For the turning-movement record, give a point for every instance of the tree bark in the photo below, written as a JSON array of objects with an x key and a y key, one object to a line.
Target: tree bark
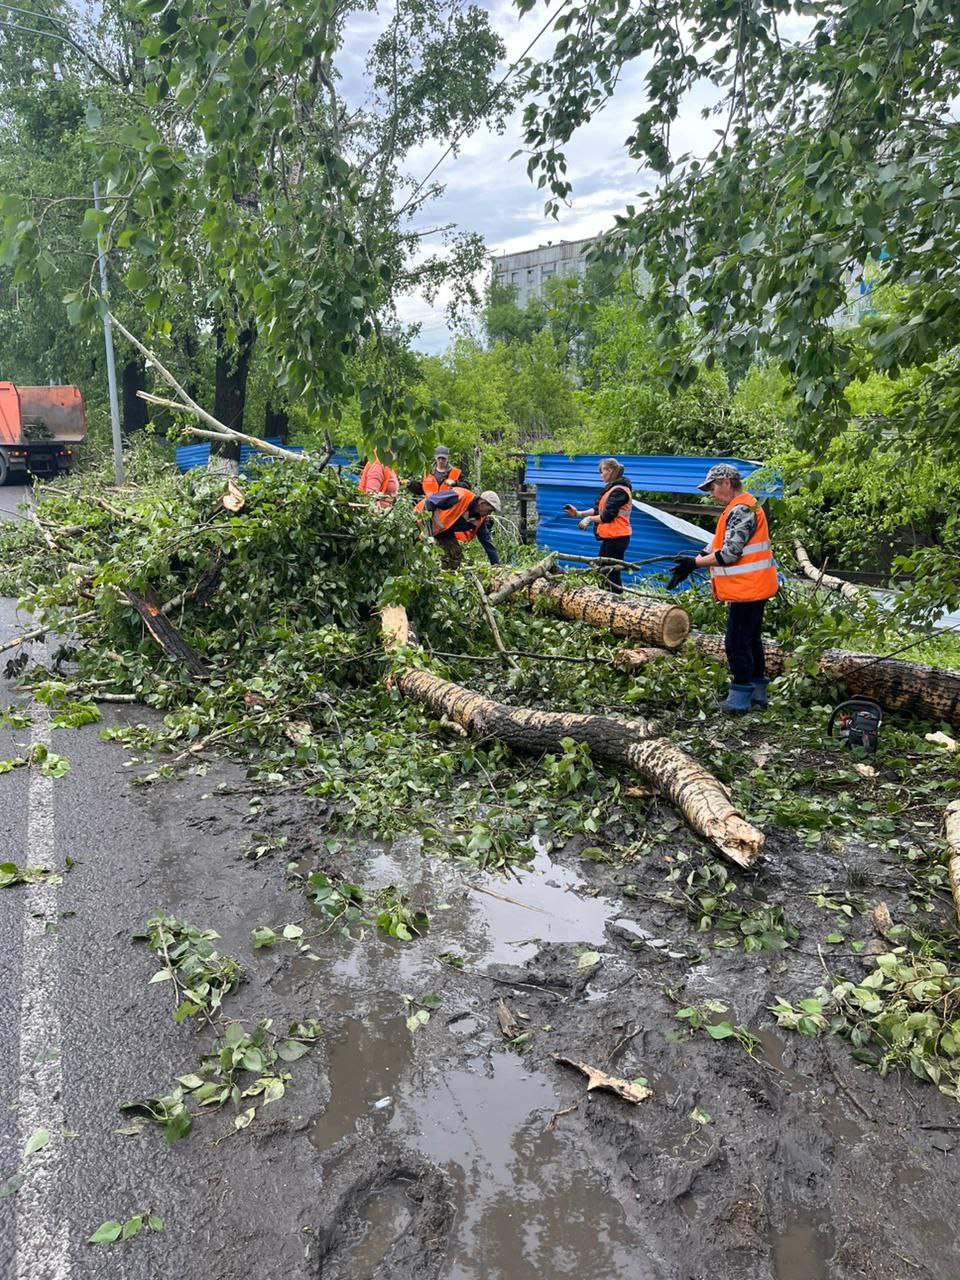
[
  {"x": 230, "y": 389},
  {"x": 656, "y": 622},
  {"x": 276, "y": 423},
  {"x": 635, "y": 745},
  {"x": 133, "y": 377},
  {"x": 507, "y": 586},
  {"x": 913, "y": 688}
]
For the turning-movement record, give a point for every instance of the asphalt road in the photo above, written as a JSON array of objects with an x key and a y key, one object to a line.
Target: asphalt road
[{"x": 81, "y": 1031}]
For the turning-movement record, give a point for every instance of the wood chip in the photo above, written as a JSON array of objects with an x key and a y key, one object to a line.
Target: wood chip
[
  {"x": 596, "y": 1079},
  {"x": 508, "y": 1023},
  {"x": 233, "y": 498},
  {"x": 881, "y": 919}
]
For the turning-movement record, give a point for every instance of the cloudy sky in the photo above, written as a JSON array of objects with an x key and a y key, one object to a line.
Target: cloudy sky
[{"x": 487, "y": 192}]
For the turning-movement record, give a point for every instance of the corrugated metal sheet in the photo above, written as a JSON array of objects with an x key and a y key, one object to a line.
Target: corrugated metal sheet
[
  {"x": 190, "y": 456},
  {"x": 560, "y": 480},
  {"x": 648, "y": 473}
]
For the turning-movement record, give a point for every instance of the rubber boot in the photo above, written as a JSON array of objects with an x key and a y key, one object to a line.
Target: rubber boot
[
  {"x": 738, "y": 700},
  {"x": 759, "y": 698}
]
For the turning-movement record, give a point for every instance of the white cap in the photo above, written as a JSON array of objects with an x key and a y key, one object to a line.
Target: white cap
[{"x": 492, "y": 498}]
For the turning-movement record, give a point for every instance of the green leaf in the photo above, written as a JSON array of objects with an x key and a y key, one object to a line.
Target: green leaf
[
  {"x": 588, "y": 959},
  {"x": 132, "y": 1226},
  {"x": 155, "y": 1223},
  {"x": 263, "y": 937},
  {"x": 36, "y": 1142},
  {"x": 106, "y": 1233},
  {"x": 12, "y": 1185},
  {"x": 292, "y": 931},
  {"x": 719, "y": 1030}
]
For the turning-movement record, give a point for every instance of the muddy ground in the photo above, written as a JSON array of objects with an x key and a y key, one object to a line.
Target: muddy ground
[{"x": 449, "y": 1153}]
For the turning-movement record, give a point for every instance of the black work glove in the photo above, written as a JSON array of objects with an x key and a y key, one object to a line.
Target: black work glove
[{"x": 683, "y": 567}]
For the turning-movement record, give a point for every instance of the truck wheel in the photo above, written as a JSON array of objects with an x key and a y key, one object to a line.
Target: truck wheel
[{"x": 4, "y": 467}]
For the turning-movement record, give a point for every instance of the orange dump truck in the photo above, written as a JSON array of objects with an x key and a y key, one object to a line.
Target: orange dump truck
[{"x": 40, "y": 427}]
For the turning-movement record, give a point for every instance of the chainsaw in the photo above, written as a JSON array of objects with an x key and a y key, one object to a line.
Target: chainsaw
[{"x": 857, "y": 724}]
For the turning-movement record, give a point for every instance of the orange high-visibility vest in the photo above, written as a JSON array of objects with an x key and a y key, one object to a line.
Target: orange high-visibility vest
[
  {"x": 432, "y": 485},
  {"x": 620, "y": 526},
  {"x": 446, "y": 517},
  {"x": 754, "y": 576},
  {"x": 387, "y": 483}
]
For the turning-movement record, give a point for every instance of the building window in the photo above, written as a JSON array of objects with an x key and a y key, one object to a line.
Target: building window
[
  {"x": 530, "y": 275},
  {"x": 514, "y": 277},
  {"x": 547, "y": 271}
]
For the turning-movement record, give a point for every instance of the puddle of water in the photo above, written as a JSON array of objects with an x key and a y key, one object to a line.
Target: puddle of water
[
  {"x": 548, "y": 905},
  {"x": 529, "y": 1207},
  {"x": 804, "y": 1248},
  {"x": 366, "y": 1064}
]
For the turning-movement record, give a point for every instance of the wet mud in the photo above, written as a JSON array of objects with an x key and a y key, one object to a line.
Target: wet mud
[{"x": 453, "y": 1152}]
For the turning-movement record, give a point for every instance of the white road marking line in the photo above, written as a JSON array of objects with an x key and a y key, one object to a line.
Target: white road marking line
[{"x": 42, "y": 1230}]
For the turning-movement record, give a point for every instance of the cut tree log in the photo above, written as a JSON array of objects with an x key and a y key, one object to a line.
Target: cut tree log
[
  {"x": 912, "y": 688},
  {"x": 654, "y": 621},
  {"x": 637, "y": 659},
  {"x": 636, "y": 745},
  {"x": 951, "y": 830},
  {"x": 519, "y": 580},
  {"x": 851, "y": 593}
]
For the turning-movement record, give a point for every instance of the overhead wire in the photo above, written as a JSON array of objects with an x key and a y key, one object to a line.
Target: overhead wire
[{"x": 511, "y": 70}]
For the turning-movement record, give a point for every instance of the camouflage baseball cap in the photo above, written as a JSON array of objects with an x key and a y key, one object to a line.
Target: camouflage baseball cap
[{"x": 722, "y": 471}]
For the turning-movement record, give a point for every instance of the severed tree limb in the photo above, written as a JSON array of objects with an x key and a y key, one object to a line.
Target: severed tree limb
[
  {"x": 508, "y": 661},
  {"x": 38, "y": 632},
  {"x": 226, "y": 433},
  {"x": 597, "y": 1079},
  {"x": 851, "y": 593},
  {"x": 635, "y": 745},
  {"x": 518, "y": 580},
  {"x": 655, "y": 621},
  {"x": 951, "y": 830}
]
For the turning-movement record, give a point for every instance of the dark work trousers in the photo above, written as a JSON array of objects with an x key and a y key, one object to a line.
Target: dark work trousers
[
  {"x": 743, "y": 642},
  {"x": 451, "y": 550},
  {"x": 613, "y": 549}
]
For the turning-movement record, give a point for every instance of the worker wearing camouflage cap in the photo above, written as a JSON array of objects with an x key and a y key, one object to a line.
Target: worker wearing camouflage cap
[{"x": 743, "y": 576}]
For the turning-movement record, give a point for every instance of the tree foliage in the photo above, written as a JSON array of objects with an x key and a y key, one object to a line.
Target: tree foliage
[{"x": 834, "y": 156}]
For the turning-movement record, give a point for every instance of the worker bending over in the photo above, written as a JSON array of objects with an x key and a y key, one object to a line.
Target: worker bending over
[
  {"x": 609, "y": 517},
  {"x": 744, "y": 577},
  {"x": 377, "y": 477},
  {"x": 440, "y": 476},
  {"x": 457, "y": 516}
]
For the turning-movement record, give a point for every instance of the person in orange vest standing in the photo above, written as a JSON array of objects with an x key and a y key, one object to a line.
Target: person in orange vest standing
[
  {"x": 457, "y": 516},
  {"x": 610, "y": 518},
  {"x": 744, "y": 577},
  {"x": 377, "y": 477},
  {"x": 440, "y": 476}
]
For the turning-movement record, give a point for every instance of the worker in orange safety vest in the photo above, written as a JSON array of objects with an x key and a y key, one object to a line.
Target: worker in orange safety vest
[
  {"x": 457, "y": 516},
  {"x": 743, "y": 576},
  {"x": 440, "y": 476},
  {"x": 610, "y": 519},
  {"x": 377, "y": 477}
]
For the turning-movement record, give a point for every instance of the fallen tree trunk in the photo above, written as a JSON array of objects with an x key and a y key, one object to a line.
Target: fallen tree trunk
[
  {"x": 655, "y": 621},
  {"x": 951, "y": 830},
  {"x": 909, "y": 687},
  {"x": 635, "y": 745},
  {"x": 851, "y": 593}
]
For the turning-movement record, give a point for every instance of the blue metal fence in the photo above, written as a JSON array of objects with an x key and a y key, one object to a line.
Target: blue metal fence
[
  {"x": 190, "y": 456},
  {"x": 560, "y": 480}
]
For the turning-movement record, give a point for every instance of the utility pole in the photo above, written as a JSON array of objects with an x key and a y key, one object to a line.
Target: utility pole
[{"x": 108, "y": 343}]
